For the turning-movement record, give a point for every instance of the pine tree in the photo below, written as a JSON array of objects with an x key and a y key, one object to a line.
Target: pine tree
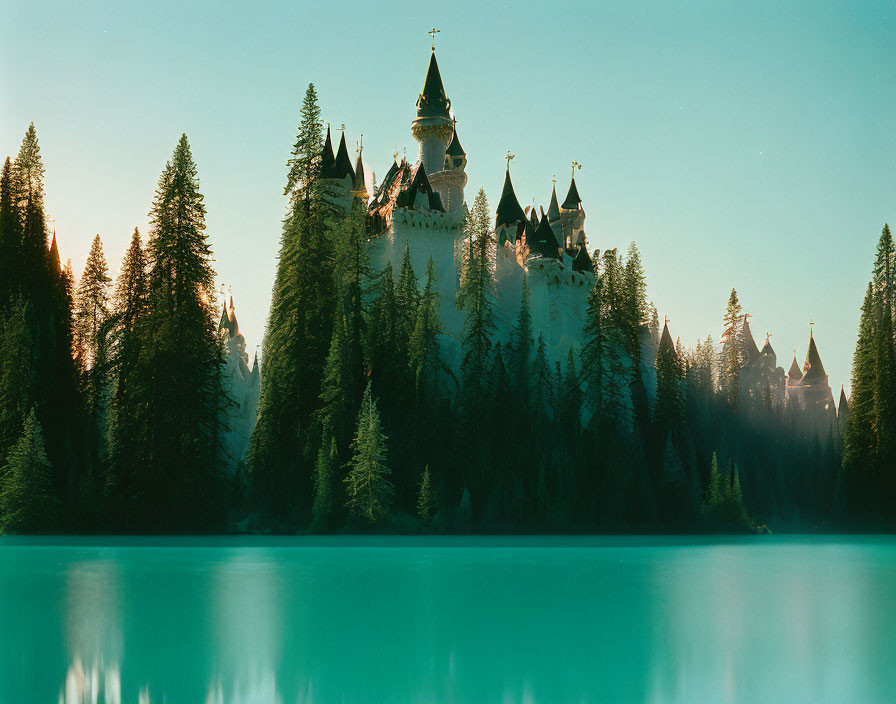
[
  {"x": 636, "y": 308},
  {"x": 304, "y": 162},
  {"x": 477, "y": 295},
  {"x": 28, "y": 189},
  {"x": 18, "y": 372},
  {"x": 297, "y": 338},
  {"x": 10, "y": 238},
  {"x": 28, "y": 501},
  {"x": 368, "y": 486},
  {"x": 338, "y": 411},
  {"x": 382, "y": 335},
  {"x": 521, "y": 343},
  {"x": 426, "y": 499},
  {"x": 325, "y": 471},
  {"x": 43, "y": 287},
  {"x": 669, "y": 411},
  {"x": 407, "y": 298},
  {"x": 731, "y": 359},
  {"x": 423, "y": 351},
  {"x": 127, "y": 411},
  {"x": 178, "y": 376},
  {"x": 92, "y": 307}
]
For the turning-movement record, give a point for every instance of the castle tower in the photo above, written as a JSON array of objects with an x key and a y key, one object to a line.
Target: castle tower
[
  {"x": 811, "y": 389},
  {"x": 450, "y": 182},
  {"x": 554, "y": 216},
  {"x": 572, "y": 216},
  {"x": 842, "y": 411},
  {"x": 795, "y": 374},
  {"x": 769, "y": 358},
  {"x": 327, "y": 158},
  {"x": 359, "y": 185},
  {"x": 433, "y": 126},
  {"x": 509, "y": 218},
  {"x": 751, "y": 350},
  {"x": 338, "y": 172},
  {"x": 242, "y": 386}
]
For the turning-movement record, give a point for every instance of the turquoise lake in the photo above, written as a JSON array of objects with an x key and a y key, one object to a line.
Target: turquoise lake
[{"x": 447, "y": 619}]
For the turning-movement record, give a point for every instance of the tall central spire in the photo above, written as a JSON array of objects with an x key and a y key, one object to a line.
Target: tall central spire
[
  {"x": 433, "y": 101},
  {"x": 433, "y": 126}
]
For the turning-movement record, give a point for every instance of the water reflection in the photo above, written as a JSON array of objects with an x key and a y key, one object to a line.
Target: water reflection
[{"x": 768, "y": 621}]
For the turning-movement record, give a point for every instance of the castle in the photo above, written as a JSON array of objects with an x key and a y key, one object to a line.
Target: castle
[
  {"x": 242, "y": 386},
  {"x": 422, "y": 206}
]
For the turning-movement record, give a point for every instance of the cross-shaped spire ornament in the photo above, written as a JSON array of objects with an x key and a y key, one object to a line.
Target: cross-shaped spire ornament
[
  {"x": 509, "y": 158},
  {"x": 343, "y": 128},
  {"x": 575, "y": 165},
  {"x": 434, "y": 32}
]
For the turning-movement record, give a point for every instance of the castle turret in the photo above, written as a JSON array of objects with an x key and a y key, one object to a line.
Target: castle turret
[
  {"x": 419, "y": 194},
  {"x": 433, "y": 126},
  {"x": 327, "y": 159},
  {"x": 842, "y": 412},
  {"x": 509, "y": 218},
  {"x": 342, "y": 167},
  {"x": 449, "y": 183},
  {"x": 582, "y": 261},
  {"x": 359, "y": 187},
  {"x": 813, "y": 370},
  {"x": 767, "y": 354},
  {"x": 751, "y": 350},
  {"x": 554, "y": 212},
  {"x": 572, "y": 216},
  {"x": 544, "y": 243},
  {"x": 242, "y": 386},
  {"x": 795, "y": 374}
]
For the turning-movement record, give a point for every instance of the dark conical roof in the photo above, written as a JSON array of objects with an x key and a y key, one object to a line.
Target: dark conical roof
[
  {"x": 553, "y": 208},
  {"x": 533, "y": 218},
  {"x": 768, "y": 352},
  {"x": 433, "y": 102},
  {"x": 509, "y": 210},
  {"x": 326, "y": 157},
  {"x": 572, "y": 198},
  {"x": 419, "y": 184},
  {"x": 544, "y": 241},
  {"x": 54, "y": 253},
  {"x": 582, "y": 261},
  {"x": 813, "y": 369},
  {"x": 359, "y": 185},
  {"x": 666, "y": 343},
  {"x": 751, "y": 351},
  {"x": 343, "y": 164},
  {"x": 454, "y": 149},
  {"x": 795, "y": 373},
  {"x": 843, "y": 406}
]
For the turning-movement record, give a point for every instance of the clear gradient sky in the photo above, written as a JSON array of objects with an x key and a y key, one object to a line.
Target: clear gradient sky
[{"x": 748, "y": 145}]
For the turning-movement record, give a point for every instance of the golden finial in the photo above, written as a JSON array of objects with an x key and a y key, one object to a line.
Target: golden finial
[
  {"x": 509, "y": 158},
  {"x": 575, "y": 165},
  {"x": 395, "y": 154},
  {"x": 343, "y": 128},
  {"x": 554, "y": 180},
  {"x": 434, "y": 32}
]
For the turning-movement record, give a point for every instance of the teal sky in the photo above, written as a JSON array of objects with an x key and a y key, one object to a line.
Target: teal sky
[{"x": 747, "y": 145}]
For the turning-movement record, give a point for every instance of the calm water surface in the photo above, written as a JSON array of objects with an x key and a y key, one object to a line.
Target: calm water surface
[{"x": 221, "y": 621}]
